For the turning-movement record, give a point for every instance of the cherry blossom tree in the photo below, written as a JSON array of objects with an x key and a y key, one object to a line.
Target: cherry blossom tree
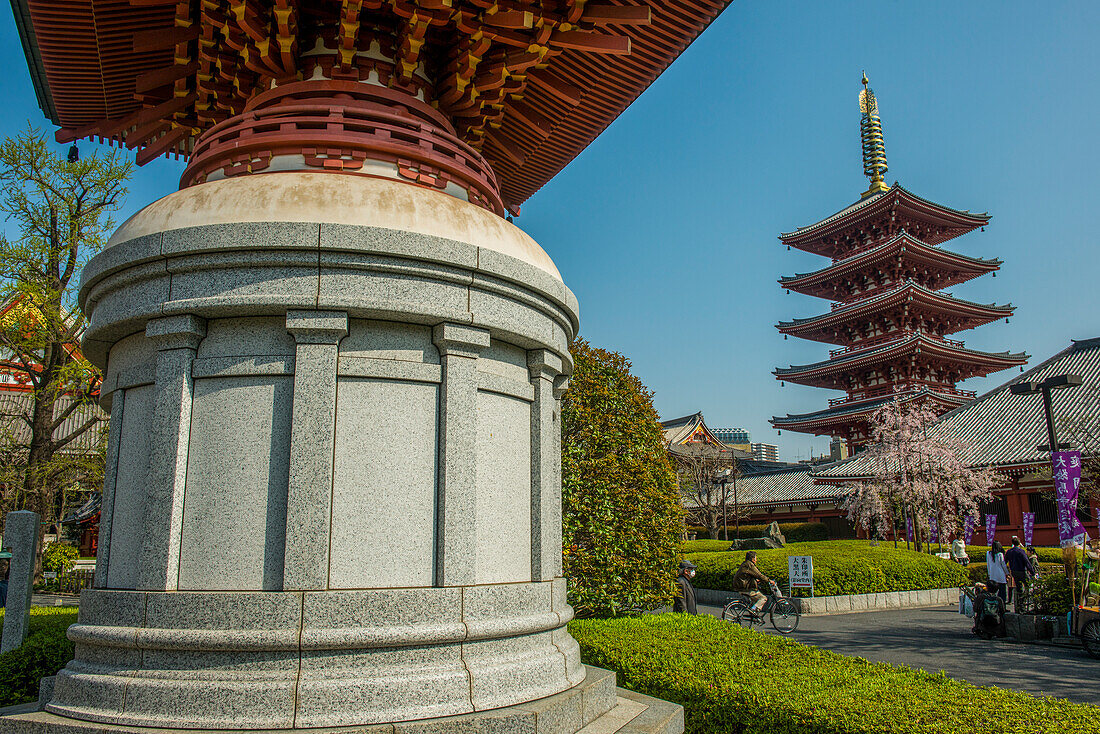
[{"x": 918, "y": 473}]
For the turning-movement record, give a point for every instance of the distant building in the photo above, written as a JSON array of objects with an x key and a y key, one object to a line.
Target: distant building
[
  {"x": 838, "y": 449},
  {"x": 733, "y": 436},
  {"x": 765, "y": 451}
]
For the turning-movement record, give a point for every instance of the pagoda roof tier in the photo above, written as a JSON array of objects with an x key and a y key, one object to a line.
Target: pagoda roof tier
[
  {"x": 529, "y": 85},
  {"x": 909, "y": 306},
  {"x": 830, "y": 420},
  {"x": 920, "y": 351},
  {"x": 879, "y": 216},
  {"x": 902, "y": 256}
]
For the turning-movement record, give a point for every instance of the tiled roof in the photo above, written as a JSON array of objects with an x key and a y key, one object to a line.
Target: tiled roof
[
  {"x": 908, "y": 289},
  {"x": 1001, "y": 429},
  {"x": 924, "y": 341},
  {"x": 14, "y": 405},
  {"x": 886, "y": 247},
  {"x": 866, "y": 203},
  {"x": 781, "y": 487},
  {"x": 867, "y": 406}
]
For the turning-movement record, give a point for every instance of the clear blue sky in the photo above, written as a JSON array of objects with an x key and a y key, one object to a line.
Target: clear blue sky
[{"x": 666, "y": 226}]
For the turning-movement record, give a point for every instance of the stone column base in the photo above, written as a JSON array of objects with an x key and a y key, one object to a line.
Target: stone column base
[{"x": 595, "y": 706}]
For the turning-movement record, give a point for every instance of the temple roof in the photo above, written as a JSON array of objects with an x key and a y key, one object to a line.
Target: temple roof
[
  {"x": 89, "y": 62},
  {"x": 961, "y": 313},
  {"x": 982, "y": 363},
  {"x": 1002, "y": 430},
  {"x": 904, "y": 246},
  {"x": 781, "y": 487},
  {"x": 950, "y": 222},
  {"x": 693, "y": 429},
  {"x": 845, "y": 413}
]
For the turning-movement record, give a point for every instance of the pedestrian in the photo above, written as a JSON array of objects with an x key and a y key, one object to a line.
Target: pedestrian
[
  {"x": 1033, "y": 559},
  {"x": 685, "y": 595},
  {"x": 4, "y": 583},
  {"x": 747, "y": 581},
  {"x": 997, "y": 570},
  {"x": 958, "y": 552},
  {"x": 1020, "y": 567}
]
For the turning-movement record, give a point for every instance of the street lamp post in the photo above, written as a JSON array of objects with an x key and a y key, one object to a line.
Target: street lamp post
[{"x": 1045, "y": 388}]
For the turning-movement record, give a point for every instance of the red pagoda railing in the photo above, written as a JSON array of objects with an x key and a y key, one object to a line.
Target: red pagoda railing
[
  {"x": 872, "y": 394},
  {"x": 892, "y": 336}
]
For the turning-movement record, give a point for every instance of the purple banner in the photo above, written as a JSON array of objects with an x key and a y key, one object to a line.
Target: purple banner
[
  {"x": 990, "y": 529},
  {"x": 933, "y": 530},
  {"x": 1029, "y": 527},
  {"x": 968, "y": 528},
  {"x": 1097, "y": 520},
  {"x": 1067, "y": 481},
  {"x": 909, "y": 528}
]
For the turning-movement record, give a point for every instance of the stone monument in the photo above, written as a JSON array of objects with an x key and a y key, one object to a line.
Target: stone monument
[
  {"x": 21, "y": 538},
  {"x": 333, "y": 364}
]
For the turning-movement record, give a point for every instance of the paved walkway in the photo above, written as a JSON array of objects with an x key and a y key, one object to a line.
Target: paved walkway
[{"x": 939, "y": 639}]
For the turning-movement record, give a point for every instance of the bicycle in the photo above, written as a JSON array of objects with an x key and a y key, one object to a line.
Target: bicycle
[{"x": 778, "y": 609}]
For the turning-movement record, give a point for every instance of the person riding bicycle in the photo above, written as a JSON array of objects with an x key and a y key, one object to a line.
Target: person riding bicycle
[{"x": 747, "y": 580}]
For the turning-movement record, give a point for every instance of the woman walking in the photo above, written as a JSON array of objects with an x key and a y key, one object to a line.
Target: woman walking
[{"x": 997, "y": 569}]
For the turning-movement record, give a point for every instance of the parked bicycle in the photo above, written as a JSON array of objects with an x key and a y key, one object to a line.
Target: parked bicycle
[{"x": 778, "y": 609}]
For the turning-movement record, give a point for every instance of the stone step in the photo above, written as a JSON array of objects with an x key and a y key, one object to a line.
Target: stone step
[{"x": 595, "y": 706}]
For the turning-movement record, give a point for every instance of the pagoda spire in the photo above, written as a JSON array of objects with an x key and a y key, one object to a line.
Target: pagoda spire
[{"x": 874, "y": 149}]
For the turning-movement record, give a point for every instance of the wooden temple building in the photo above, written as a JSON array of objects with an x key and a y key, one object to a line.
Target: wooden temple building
[
  {"x": 485, "y": 101},
  {"x": 890, "y": 318}
]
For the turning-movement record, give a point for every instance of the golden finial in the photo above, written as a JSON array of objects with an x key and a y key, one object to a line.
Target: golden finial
[{"x": 874, "y": 148}]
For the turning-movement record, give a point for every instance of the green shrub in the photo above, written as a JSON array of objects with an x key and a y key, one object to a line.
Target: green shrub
[
  {"x": 45, "y": 651},
  {"x": 735, "y": 681},
  {"x": 1052, "y": 595},
  {"x": 795, "y": 532},
  {"x": 621, "y": 511},
  {"x": 840, "y": 567},
  {"x": 59, "y": 557}
]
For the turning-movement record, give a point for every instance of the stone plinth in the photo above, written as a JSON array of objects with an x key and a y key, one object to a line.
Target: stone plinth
[
  {"x": 332, "y": 494},
  {"x": 21, "y": 538},
  {"x": 595, "y": 706}
]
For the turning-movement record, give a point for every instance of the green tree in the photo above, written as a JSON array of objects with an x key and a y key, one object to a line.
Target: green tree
[
  {"x": 622, "y": 518},
  {"x": 59, "y": 216}
]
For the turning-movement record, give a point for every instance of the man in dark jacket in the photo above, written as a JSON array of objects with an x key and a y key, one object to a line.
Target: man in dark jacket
[
  {"x": 685, "y": 594},
  {"x": 1020, "y": 567},
  {"x": 747, "y": 581}
]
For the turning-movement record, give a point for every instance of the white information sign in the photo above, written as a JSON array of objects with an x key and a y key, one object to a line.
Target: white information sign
[{"x": 800, "y": 571}]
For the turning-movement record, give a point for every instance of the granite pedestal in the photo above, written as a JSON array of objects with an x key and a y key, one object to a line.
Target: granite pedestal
[{"x": 332, "y": 491}]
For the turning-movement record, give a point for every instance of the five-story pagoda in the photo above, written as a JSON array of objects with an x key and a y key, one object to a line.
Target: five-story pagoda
[{"x": 890, "y": 317}]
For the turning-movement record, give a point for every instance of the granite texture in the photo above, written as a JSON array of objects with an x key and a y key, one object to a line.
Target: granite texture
[
  {"x": 389, "y": 340},
  {"x": 312, "y": 437},
  {"x": 175, "y": 338},
  {"x": 126, "y": 510},
  {"x": 543, "y": 366},
  {"x": 456, "y": 516},
  {"x": 603, "y": 708},
  {"x": 503, "y": 488},
  {"x": 21, "y": 538},
  {"x": 384, "y": 477},
  {"x": 234, "y": 521},
  {"x": 110, "y": 476}
]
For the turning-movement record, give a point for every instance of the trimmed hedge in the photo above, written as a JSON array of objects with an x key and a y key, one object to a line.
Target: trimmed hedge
[
  {"x": 735, "y": 681},
  {"x": 840, "y": 567},
  {"x": 794, "y": 532},
  {"x": 45, "y": 651}
]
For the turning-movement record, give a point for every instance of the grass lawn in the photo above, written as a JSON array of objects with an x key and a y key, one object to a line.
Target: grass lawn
[{"x": 734, "y": 681}]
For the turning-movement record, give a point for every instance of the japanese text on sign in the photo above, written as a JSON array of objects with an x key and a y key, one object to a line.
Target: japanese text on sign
[{"x": 800, "y": 571}]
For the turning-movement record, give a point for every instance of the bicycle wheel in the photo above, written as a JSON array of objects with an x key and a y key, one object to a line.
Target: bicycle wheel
[
  {"x": 740, "y": 613},
  {"x": 729, "y": 612},
  {"x": 1090, "y": 638},
  {"x": 785, "y": 616}
]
